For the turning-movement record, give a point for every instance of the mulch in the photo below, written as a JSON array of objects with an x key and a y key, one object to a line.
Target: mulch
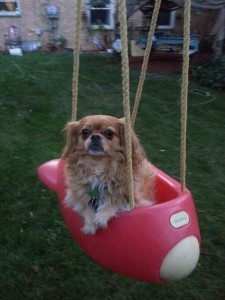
[{"x": 169, "y": 62}]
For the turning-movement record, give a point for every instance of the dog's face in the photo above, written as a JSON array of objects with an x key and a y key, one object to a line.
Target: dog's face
[
  {"x": 95, "y": 136},
  {"x": 99, "y": 136}
]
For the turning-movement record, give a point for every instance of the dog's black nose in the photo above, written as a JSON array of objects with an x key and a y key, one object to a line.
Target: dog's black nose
[
  {"x": 95, "y": 137},
  {"x": 95, "y": 146}
]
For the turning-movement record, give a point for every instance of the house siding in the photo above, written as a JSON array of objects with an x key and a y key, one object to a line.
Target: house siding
[
  {"x": 201, "y": 25},
  {"x": 33, "y": 16}
]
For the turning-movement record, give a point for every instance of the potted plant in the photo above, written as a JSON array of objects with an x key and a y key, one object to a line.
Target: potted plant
[{"x": 59, "y": 40}]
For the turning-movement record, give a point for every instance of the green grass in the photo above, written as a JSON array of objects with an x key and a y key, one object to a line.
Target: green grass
[{"x": 38, "y": 257}]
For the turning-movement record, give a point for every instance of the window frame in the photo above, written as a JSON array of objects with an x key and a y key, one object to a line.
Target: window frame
[
  {"x": 15, "y": 13},
  {"x": 107, "y": 7},
  {"x": 171, "y": 21}
]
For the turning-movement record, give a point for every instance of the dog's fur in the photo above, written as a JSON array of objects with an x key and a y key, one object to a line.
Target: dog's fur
[{"x": 95, "y": 158}]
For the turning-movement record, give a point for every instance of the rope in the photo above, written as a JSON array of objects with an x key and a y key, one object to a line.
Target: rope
[
  {"x": 126, "y": 95},
  {"x": 145, "y": 60},
  {"x": 76, "y": 58},
  {"x": 125, "y": 82},
  {"x": 184, "y": 92}
]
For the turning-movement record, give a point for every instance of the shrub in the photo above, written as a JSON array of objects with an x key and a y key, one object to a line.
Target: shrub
[{"x": 211, "y": 73}]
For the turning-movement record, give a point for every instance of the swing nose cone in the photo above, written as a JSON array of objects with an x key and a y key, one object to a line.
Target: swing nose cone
[
  {"x": 47, "y": 173},
  {"x": 181, "y": 259}
]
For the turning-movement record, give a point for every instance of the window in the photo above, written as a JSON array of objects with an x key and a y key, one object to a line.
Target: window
[
  {"x": 100, "y": 14},
  {"x": 9, "y": 8},
  {"x": 166, "y": 19}
]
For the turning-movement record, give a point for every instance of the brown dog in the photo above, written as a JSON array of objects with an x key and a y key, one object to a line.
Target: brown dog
[{"x": 96, "y": 170}]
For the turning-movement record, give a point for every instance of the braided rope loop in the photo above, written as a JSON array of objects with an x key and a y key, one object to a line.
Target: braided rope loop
[
  {"x": 76, "y": 58},
  {"x": 184, "y": 92},
  {"x": 126, "y": 95},
  {"x": 145, "y": 60}
]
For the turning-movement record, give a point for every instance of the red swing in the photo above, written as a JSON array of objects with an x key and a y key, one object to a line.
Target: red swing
[
  {"x": 152, "y": 244},
  {"x": 157, "y": 243}
]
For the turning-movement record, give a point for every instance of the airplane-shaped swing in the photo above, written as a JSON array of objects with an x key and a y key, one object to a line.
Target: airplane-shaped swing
[{"x": 156, "y": 243}]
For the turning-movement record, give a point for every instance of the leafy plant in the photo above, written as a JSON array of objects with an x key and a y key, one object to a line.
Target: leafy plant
[
  {"x": 211, "y": 73},
  {"x": 59, "y": 40}
]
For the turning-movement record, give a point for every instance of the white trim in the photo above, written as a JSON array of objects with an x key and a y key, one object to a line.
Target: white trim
[
  {"x": 171, "y": 22},
  {"x": 111, "y": 11},
  {"x": 15, "y": 13}
]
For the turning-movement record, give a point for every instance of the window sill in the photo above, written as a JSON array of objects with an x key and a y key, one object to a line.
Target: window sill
[{"x": 5, "y": 14}]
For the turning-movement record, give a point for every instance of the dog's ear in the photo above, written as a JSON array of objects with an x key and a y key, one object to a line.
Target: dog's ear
[
  {"x": 138, "y": 153},
  {"x": 71, "y": 135}
]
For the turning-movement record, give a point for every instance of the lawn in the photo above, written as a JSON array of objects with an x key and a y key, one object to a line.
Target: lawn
[{"x": 39, "y": 259}]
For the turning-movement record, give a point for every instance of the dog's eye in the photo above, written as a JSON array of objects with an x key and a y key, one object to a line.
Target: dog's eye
[
  {"x": 85, "y": 132},
  {"x": 109, "y": 134}
]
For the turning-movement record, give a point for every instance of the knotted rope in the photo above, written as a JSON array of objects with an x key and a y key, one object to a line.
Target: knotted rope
[
  {"x": 76, "y": 59},
  {"x": 184, "y": 92},
  {"x": 145, "y": 60},
  {"x": 125, "y": 81},
  {"x": 126, "y": 95},
  {"x": 185, "y": 81}
]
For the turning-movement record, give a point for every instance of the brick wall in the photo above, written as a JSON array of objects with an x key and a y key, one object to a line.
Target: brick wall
[
  {"x": 33, "y": 16},
  {"x": 27, "y": 22}
]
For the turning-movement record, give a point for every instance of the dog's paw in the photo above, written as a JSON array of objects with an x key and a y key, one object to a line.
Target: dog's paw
[{"x": 88, "y": 229}]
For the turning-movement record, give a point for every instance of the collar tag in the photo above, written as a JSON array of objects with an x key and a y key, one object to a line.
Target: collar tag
[{"x": 94, "y": 201}]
